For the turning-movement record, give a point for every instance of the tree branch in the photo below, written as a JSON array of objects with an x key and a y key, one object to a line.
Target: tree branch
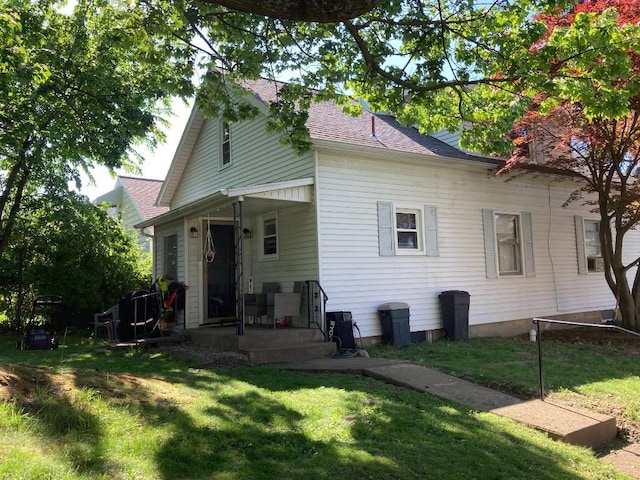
[
  {"x": 374, "y": 65},
  {"x": 319, "y": 11}
]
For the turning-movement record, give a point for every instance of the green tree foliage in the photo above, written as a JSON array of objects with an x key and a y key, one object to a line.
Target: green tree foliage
[
  {"x": 582, "y": 119},
  {"x": 500, "y": 69},
  {"x": 302, "y": 10},
  {"x": 418, "y": 59},
  {"x": 78, "y": 89},
  {"x": 72, "y": 248}
]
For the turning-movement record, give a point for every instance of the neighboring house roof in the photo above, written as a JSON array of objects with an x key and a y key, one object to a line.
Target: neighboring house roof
[
  {"x": 142, "y": 193},
  {"x": 328, "y": 125}
]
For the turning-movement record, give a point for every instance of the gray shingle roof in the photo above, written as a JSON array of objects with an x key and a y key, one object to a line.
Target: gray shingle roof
[
  {"x": 328, "y": 122},
  {"x": 143, "y": 193}
]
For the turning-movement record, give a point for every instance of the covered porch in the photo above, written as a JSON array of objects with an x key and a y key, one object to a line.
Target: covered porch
[{"x": 220, "y": 246}]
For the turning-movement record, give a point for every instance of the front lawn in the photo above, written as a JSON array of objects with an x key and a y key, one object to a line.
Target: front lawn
[
  {"x": 83, "y": 412},
  {"x": 593, "y": 369}
]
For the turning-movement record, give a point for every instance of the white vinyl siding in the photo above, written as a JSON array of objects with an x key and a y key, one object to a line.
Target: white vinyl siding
[
  {"x": 297, "y": 259},
  {"x": 354, "y": 193},
  {"x": 257, "y": 159}
]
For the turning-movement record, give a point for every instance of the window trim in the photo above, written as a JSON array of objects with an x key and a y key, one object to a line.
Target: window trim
[
  {"x": 581, "y": 247},
  {"x": 419, "y": 230},
  {"x": 427, "y": 223},
  {"x": 262, "y": 219},
  {"x": 224, "y": 125},
  {"x": 527, "y": 259},
  {"x": 519, "y": 243}
]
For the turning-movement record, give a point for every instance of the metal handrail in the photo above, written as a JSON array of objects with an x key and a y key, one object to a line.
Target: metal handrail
[
  {"x": 537, "y": 322},
  {"x": 323, "y": 307}
]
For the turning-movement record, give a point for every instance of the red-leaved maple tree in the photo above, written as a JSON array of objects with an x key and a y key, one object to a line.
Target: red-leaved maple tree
[{"x": 583, "y": 121}]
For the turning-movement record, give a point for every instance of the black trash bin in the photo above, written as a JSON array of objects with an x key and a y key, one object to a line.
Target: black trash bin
[
  {"x": 394, "y": 317},
  {"x": 455, "y": 314}
]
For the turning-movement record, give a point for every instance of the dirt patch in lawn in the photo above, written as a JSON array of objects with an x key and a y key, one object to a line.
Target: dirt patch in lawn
[{"x": 598, "y": 336}]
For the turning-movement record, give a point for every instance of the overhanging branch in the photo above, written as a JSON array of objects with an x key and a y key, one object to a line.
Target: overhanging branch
[{"x": 320, "y": 11}]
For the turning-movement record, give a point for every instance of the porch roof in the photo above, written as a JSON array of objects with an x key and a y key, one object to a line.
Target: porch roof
[{"x": 257, "y": 199}]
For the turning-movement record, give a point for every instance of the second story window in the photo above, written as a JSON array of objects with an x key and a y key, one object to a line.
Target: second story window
[{"x": 225, "y": 144}]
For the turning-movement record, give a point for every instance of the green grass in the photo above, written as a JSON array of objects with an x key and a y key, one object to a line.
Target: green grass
[
  {"x": 87, "y": 413},
  {"x": 606, "y": 377}
]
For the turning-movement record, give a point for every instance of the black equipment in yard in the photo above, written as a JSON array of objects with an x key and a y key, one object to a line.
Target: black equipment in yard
[
  {"x": 150, "y": 313},
  {"x": 39, "y": 333},
  {"x": 340, "y": 330}
]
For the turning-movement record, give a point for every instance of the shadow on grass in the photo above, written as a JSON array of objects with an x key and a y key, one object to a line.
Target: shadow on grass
[{"x": 251, "y": 423}]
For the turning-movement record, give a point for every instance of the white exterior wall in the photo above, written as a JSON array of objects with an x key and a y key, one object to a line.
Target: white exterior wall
[
  {"x": 297, "y": 259},
  {"x": 255, "y": 159},
  {"x": 357, "y": 279}
]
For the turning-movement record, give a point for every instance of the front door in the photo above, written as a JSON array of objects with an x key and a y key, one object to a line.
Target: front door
[{"x": 219, "y": 274}]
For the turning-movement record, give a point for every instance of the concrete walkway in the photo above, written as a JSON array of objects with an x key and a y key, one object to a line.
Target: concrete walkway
[{"x": 575, "y": 426}]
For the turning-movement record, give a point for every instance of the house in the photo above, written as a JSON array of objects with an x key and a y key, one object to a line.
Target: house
[
  {"x": 373, "y": 213},
  {"x": 133, "y": 200}
]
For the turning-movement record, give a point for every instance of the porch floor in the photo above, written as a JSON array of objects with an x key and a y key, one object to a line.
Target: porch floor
[{"x": 263, "y": 345}]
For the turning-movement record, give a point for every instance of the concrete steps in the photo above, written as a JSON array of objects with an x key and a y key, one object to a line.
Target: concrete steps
[
  {"x": 264, "y": 345},
  {"x": 571, "y": 425}
]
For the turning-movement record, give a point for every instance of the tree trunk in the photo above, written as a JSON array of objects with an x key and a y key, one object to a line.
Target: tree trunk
[
  {"x": 628, "y": 312},
  {"x": 320, "y": 11}
]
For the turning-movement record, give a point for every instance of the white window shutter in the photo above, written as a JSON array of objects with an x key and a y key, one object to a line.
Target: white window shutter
[
  {"x": 489, "y": 243},
  {"x": 582, "y": 256},
  {"x": 527, "y": 237},
  {"x": 386, "y": 229},
  {"x": 431, "y": 231}
]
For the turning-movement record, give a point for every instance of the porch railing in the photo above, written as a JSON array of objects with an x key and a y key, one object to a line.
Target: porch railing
[
  {"x": 316, "y": 306},
  {"x": 538, "y": 321}
]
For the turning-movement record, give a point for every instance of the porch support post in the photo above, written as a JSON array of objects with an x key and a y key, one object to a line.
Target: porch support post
[{"x": 239, "y": 280}]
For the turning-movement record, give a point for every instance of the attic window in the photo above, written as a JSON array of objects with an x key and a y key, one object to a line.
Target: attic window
[{"x": 225, "y": 144}]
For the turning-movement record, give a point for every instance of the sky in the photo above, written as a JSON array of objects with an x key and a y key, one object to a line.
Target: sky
[{"x": 155, "y": 165}]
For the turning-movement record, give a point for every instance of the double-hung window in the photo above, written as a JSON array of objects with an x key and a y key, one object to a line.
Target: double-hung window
[
  {"x": 269, "y": 236},
  {"x": 407, "y": 231},
  {"x": 508, "y": 244},
  {"x": 508, "y": 241},
  {"x": 588, "y": 245}
]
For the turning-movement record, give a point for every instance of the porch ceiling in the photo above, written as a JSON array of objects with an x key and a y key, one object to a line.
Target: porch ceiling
[{"x": 256, "y": 200}]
